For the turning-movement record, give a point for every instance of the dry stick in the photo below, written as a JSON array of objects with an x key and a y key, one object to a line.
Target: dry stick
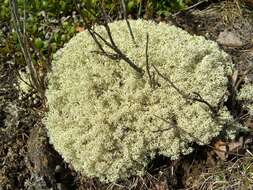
[
  {"x": 170, "y": 82},
  {"x": 118, "y": 53},
  {"x": 96, "y": 41},
  {"x": 114, "y": 46},
  {"x": 187, "y": 96},
  {"x": 123, "y": 3},
  {"x": 100, "y": 47},
  {"x": 24, "y": 47},
  {"x": 201, "y": 99}
]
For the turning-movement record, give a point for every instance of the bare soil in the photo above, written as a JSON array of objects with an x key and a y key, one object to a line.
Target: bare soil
[{"x": 28, "y": 161}]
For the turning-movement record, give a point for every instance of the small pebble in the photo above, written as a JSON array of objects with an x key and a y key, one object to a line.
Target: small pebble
[
  {"x": 230, "y": 39},
  {"x": 57, "y": 169}
]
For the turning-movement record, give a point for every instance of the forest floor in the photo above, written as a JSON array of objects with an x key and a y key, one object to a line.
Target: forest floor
[{"x": 28, "y": 161}]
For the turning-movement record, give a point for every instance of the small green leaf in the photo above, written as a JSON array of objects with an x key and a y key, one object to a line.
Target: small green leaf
[{"x": 38, "y": 43}]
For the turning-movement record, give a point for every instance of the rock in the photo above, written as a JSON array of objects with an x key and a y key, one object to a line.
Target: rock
[{"x": 230, "y": 39}]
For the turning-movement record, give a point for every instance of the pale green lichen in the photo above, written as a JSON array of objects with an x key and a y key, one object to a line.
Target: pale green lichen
[
  {"x": 245, "y": 95},
  {"x": 103, "y": 118}
]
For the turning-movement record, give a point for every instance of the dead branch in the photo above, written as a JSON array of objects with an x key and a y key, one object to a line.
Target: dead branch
[
  {"x": 118, "y": 54},
  {"x": 115, "y": 48},
  {"x": 25, "y": 48}
]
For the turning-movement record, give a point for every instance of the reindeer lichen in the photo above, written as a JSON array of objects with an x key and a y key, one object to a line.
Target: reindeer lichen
[
  {"x": 107, "y": 122},
  {"x": 246, "y": 97}
]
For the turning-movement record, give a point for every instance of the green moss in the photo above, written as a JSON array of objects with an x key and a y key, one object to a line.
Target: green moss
[{"x": 103, "y": 118}]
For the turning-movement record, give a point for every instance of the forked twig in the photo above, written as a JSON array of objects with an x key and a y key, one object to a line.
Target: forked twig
[
  {"x": 115, "y": 48},
  {"x": 111, "y": 43}
]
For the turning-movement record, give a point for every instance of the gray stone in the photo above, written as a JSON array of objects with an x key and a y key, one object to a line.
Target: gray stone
[{"x": 230, "y": 39}]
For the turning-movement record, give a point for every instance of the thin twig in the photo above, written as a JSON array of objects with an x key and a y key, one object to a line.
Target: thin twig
[
  {"x": 123, "y": 3},
  {"x": 113, "y": 46},
  {"x": 96, "y": 40},
  {"x": 171, "y": 125},
  {"x": 111, "y": 43},
  {"x": 18, "y": 74},
  {"x": 201, "y": 99},
  {"x": 170, "y": 82},
  {"x": 147, "y": 63}
]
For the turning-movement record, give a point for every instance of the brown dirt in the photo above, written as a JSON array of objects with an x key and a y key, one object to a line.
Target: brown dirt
[{"x": 28, "y": 161}]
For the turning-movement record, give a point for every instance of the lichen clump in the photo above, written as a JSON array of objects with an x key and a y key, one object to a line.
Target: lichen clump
[
  {"x": 245, "y": 95},
  {"x": 105, "y": 119}
]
